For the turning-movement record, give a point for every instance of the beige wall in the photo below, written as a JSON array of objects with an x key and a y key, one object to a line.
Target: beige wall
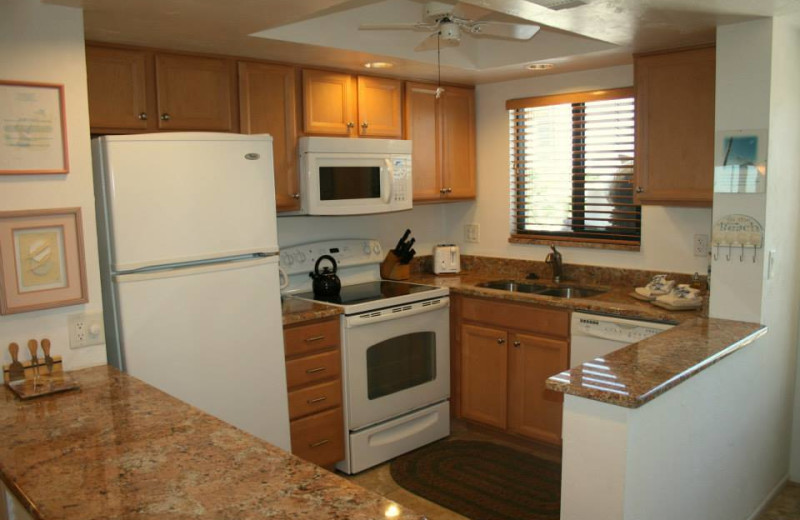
[{"x": 45, "y": 43}]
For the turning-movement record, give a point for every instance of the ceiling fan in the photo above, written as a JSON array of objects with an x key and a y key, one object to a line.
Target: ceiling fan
[{"x": 447, "y": 22}]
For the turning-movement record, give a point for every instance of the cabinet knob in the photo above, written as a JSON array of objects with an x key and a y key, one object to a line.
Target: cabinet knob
[
  {"x": 143, "y": 116},
  {"x": 350, "y": 124},
  {"x": 443, "y": 191},
  {"x": 517, "y": 344},
  {"x": 295, "y": 195},
  {"x": 364, "y": 125},
  {"x": 449, "y": 190},
  {"x": 165, "y": 117},
  {"x": 500, "y": 341},
  {"x": 639, "y": 189}
]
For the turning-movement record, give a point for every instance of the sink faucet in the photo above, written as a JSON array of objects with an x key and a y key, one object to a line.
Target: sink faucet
[{"x": 554, "y": 260}]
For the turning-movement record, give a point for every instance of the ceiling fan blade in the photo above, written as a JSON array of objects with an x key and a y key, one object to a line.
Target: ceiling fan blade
[
  {"x": 469, "y": 12},
  {"x": 392, "y": 26},
  {"x": 513, "y": 31},
  {"x": 430, "y": 43}
]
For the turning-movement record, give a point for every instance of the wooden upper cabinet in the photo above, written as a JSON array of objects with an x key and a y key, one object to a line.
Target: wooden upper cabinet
[
  {"x": 380, "y": 107},
  {"x": 675, "y": 127},
  {"x": 458, "y": 142},
  {"x": 118, "y": 83},
  {"x": 328, "y": 103},
  {"x": 443, "y": 132},
  {"x": 268, "y": 105},
  {"x": 196, "y": 93}
]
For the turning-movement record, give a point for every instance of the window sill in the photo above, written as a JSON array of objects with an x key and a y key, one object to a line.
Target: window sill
[{"x": 575, "y": 242}]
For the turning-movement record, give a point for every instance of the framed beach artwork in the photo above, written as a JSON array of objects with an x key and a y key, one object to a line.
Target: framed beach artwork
[
  {"x": 33, "y": 128},
  {"x": 41, "y": 260}
]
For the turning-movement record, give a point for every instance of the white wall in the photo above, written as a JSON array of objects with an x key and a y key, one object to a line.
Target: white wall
[
  {"x": 667, "y": 233},
  {"x": 45, "y": 43}
]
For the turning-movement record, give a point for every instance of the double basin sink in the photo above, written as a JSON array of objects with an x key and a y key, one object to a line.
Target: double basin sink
[{"x": 570, "y": 291}]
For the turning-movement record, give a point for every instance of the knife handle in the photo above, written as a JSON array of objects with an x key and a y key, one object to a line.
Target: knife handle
[
  {"x": 46, "y": 347},
  {"x": 13, "y": 349},
  {"x": 33, "y": 345}
]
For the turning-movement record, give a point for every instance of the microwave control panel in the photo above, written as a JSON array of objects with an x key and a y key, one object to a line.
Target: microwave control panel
[{"x": 401, "y": 175}]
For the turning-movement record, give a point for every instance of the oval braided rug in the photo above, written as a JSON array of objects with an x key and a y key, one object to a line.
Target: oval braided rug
[{"x": 482, "y": 480}]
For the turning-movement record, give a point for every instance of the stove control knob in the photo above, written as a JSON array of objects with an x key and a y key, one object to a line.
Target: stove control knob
[
  {"x": 366, "y": 248},
  {"x": 376, "y": 248},
  {"x": 289, "y": 260},
  {"x": 301, "y": 257}
]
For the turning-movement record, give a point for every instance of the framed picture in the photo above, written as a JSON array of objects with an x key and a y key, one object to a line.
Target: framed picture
[
  {"x": 41, "y": 260},
  {"x": 33, "y": 128},
  {"x": 740, "y": 161}
]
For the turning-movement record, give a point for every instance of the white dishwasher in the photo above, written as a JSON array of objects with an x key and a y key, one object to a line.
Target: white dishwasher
[{"x": 595, "y": 335}]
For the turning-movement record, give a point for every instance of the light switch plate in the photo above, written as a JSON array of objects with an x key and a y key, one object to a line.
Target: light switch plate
[
  {"x": 472, "y": 233},
  {"x": 86, "y": 330}
]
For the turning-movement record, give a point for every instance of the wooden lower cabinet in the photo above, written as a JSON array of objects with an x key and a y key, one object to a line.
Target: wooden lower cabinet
[
  {"x": 505, "y": 352},
  {"x": 314, "y": 380}
]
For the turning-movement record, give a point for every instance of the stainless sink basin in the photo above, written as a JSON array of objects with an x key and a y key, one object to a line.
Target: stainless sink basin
[
  {"x": 571, "y": 292},
  {"x": 512, "y": 286},
  {"x": 533, "y": 288}
]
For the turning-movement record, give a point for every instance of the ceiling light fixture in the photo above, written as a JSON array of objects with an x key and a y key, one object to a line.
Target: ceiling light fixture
[
  {"x": 379, "y": 65},
  {"x": 540, "y": 66}
]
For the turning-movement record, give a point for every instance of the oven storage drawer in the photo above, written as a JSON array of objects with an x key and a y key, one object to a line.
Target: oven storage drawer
[
  {"x": 384, "y": 441},
  {"x": 311, "y": 337},
  {"x": 315, "y": 398},
  {"x": 312, "y": 368},
  {"x": 319, "y": 438}
]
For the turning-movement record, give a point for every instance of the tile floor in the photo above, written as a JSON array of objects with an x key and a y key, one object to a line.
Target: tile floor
[{"x": 785, "y": 506}]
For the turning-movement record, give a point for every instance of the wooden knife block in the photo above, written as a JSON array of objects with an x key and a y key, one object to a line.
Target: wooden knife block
[{"x": 392, "y": 269}]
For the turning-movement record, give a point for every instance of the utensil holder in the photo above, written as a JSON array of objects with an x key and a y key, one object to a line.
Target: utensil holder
[{"x": 392, "y": 269}]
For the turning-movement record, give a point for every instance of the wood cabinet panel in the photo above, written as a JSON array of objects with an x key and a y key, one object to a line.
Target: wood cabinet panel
[
  {"x": 422, "y": 127},
  {"x": 118, "y": 83},
  {"x": 484, "y": 374},
  {"x": 328, "y": 103},
  {"x": 268, "y": 105},
  {"x": 316, "y": 398},
  {"x": 313, "y": 368},
  {"x": 311, "y": 337},
  {"x": 458, "y": 142},
  {"x": 551, "y": 322},
  {"x": 196, "y": 93},
  {"x": 319, "y": 438},
  {"x": 533, "y": 410},
  {"x": 380, "y": 107},
  {"x": 675, "y": 127}
]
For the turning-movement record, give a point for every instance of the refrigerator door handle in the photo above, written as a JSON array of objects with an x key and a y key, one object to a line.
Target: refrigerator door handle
[{"x": 192, "y": 269}]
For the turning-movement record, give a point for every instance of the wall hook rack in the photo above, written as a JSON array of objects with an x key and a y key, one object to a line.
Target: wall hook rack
[{"x": 741, "y": 231}]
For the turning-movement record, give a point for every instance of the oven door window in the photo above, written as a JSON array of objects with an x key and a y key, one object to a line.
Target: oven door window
[
  {"x": 349, "y": 182},
  {"x": 400, "y": 363}
]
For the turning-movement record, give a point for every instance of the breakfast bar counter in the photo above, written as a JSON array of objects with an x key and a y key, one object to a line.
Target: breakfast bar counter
[{"x": 121, "y": 449}]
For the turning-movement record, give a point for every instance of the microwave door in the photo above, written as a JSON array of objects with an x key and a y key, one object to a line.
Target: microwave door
[{"x": 349, "y": 186}]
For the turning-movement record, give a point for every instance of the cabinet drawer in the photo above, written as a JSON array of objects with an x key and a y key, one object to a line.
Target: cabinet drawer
[
  {"x": 520, "y": 317},
  {"x": 313, "y": 399},
  {"x": 313, "y": 368},
  {"x": 319, "y": 438},
  {"x": 308, "y": 338}
]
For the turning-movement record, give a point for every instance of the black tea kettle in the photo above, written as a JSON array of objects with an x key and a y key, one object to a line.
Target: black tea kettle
[{"x": 325, "y": 283}]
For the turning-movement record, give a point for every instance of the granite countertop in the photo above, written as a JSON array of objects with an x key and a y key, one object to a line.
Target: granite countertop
[
  {"x": 121, "y": 449},
  {"x": 640, "y": 372},
  {"x": 296, "y": 310}
]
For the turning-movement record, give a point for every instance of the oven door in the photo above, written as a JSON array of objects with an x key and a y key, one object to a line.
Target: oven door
[{"x": 396, "y": 360}]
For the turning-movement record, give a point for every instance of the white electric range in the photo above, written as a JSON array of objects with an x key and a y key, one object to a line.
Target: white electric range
[{"x": 395, "y": 351}]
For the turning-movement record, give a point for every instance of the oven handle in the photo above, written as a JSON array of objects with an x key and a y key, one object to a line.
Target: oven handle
[{"x": 396, "y": 313}]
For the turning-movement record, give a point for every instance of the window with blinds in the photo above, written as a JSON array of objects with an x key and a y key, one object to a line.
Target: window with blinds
[{"x": 572, "y": 160}]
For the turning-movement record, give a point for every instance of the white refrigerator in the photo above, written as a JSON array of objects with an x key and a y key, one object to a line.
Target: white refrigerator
[{"x": 189, "y": 268}]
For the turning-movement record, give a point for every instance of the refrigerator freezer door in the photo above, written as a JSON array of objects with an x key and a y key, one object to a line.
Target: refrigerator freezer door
[
  {"x": 171, "y": 198},
  {"x": 211, "y": 336}
]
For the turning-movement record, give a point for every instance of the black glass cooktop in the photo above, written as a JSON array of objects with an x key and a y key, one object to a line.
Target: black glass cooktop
[{"x": 368, "y": 292}]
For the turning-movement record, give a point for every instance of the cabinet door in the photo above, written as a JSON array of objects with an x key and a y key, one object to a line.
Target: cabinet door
[
  {"x": 380, "y": 107},
  {"x": 484, "y": 374},
  {"x": 328, "y": 104},
  {"x": 422, "y": 127},
  {"x": 118, "y": 83},
  {"x": 196, "y": 93},
  {"x": 533, "y": 410},
  {"x": 675, "y": 127},
  {"x": 457, "y": 106},
  {"x": 267, "y": 105}
]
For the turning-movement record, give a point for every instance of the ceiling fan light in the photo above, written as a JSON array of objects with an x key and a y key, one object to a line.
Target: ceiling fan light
[
  {"x": 379, "y": 65},
  {"x": 540, "y": 66},
  {"x": 449, "y": 31}
]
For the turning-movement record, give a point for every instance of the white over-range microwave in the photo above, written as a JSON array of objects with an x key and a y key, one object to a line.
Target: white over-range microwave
[{"x": 346, "y": 176}]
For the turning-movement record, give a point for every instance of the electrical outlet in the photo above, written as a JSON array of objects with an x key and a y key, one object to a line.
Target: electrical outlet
[
  {"x": 701, "y": 245},
  {"x": 472, "y": 233},
  {"x": 86, "y": 330}
]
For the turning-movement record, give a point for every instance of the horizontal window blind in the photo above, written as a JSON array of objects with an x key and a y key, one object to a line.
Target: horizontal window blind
[{"x": 572, "y": 169}]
